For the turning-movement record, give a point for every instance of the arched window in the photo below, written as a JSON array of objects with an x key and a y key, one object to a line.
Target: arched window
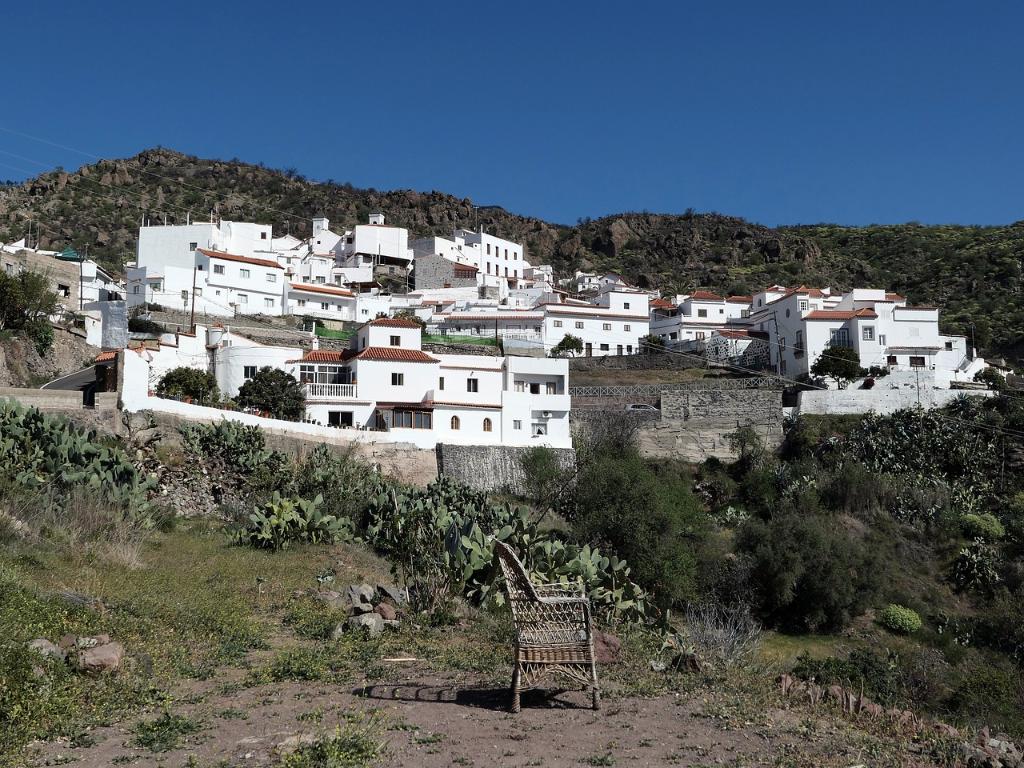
[
  {"x": 487, "y": 425},
  {"x": 455, "y": 422}
]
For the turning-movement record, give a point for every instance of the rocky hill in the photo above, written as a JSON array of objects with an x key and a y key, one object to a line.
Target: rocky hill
[{"x": 973, "y": 272}]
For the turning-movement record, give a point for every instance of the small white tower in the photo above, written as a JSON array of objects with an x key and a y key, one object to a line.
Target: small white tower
[{"x": 377, "y": 218}]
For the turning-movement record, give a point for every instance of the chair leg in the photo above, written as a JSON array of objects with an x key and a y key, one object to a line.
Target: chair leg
[
  {"x": 517, "y": 676},
  {"x": 597, "y": 690}
]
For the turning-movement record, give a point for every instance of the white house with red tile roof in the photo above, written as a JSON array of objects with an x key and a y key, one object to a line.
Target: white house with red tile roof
[
  {"x": 804, "y": 323},
  {"x": 385, "y": 382},
  {"x": 321, "y": 300},
  {"x": 696, "y": 316}
]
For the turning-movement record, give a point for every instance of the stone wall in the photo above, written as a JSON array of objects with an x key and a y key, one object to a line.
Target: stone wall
[
  {"x": 880, "y": 399},
  {"x": 439, "y": 272},
  {"x": 696, "y": 425},
  {"x": 645, "y": 362},
  {"x": 490, "y": 467}
]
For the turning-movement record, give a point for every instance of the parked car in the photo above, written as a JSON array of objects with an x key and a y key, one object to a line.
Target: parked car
[{"x": 642, "y": 408}]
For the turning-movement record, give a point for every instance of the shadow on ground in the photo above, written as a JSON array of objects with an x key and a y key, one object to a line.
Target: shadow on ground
[{"x": 497, "y": 699}]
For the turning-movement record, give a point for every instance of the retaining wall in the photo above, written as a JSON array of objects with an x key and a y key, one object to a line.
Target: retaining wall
[
  {"x": 880, "y": 399},
  {"x": 490, "y": 467}
]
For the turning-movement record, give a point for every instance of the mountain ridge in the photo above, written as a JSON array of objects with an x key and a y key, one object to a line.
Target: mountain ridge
[{"x": 973, "y": 272}]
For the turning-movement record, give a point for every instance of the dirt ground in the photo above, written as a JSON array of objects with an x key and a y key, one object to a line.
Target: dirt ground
[{"x": 426, "y": 719}]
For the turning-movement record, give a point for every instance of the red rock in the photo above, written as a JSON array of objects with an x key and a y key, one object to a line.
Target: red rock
[
  {"x": 386, "y": 612},
  {"x": 607, "y": 648},
  {"x": 101, "y": 658}
]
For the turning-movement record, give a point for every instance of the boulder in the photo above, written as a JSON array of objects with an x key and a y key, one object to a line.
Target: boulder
[
  {"x": 101, "y": 658},
  {"x": 607, "y": 648},
  {"x": 391, "y": 623},
  {"x": 398, "y": 596},
  {"x": 331, "y": 598},
  {"x": 357, "y": 594},
  {"x": 371, "y": 622},
  {"x": 387, "y": 612},
  {"x": 67, "y": 642},
  {"x": 361, "y": 608},
  {"x": 45, "y": 648}
]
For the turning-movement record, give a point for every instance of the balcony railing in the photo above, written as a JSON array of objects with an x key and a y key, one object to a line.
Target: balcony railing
[{"x": 328, "y": 391}]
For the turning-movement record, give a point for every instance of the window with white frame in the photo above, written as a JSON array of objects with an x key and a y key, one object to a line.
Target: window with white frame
[
  {"x": 702, "y": 313},
  {"x": 249, "y": 371},
  {"x": 520, "y": 385},
  {"x": 557, "y": 324},
  {"x": 397, "y": 379},
  {"x": 302, "y": 302},
  {"x": 579, "y": 323},
  {"x": 193, "y": 246},
  {"x": 517, "y": 424},
  {"x": 606, "y": 326},
  {"x": 396, "y": 341},
  {"x": 472, "y": 385},
  {"x": 243, "y": 273},
  {"x": 440, "y": 383},
  {"x": 243, "y": 298},
  {"x": 803, "y": 305},
  {"x": 867, "y": 333},
  {"x": 268, "y": 302},
  {"x": 218, "y": 269},
  {"x": 271, "y": 277},
  {"x": 625, "y": 327}
]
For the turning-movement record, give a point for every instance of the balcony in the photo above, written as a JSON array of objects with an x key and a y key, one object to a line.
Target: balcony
[{"x": 329, "y": 391}]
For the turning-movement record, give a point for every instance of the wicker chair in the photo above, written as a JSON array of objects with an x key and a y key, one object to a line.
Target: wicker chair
[{"x": 553, "y": 629}]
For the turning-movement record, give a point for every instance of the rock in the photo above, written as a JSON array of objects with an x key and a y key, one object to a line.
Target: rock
[
  {"x": 101, "y": 658},
  {"x": 361, "y": 608},
  {"x": 658, "y": 666},
  {"x": 293, "y": 743},
  {"x": 392, "y": 623},
  {"x": 386, "y": 612},
  {"x": 398, "y": 596},
  {"x": 607, "y": 648},
  {"x": 371, "y": 622},
  {"x": 45, "y": 648},
  {"x": 357, "y": 594},
  {"x": 67, "y": 642},
  {"x": 331, "y": 598}
]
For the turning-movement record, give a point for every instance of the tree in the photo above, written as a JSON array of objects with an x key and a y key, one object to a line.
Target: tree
[
  {"x": 191, "y": 383},
  {"x": 841, "y": 364},
  {"x": 408, "y": 314},
  {"x": 275, "y": 392},
  {"x": 26, "y": 304},
  {"x": 652, "y": 343},
  {"x": 992, "y": 378},
  {"x": 569, "y": 343}
]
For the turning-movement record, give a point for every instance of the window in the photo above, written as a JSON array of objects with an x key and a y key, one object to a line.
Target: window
[
  {"x": 243, "y": 298},
  {"x": 440, "y": 383},
  {"x": 199, "y": 267},
  {"x": 520, "y": 386},
  {"x": 184, "y": 295},
  {"x": 606, "y": 326},
  {"x": 625, "y": 327},
  {"x": 268, "y": 302},
  {"x": 557, "y": 323},
  {"x": 488, "y": 249},
  {"x": 135, "y": 289},
  {"x": 487, "y": 425},
  {"x": 199, "y": 291},
  {"x": 455, "y": 422},
  {"x": 218, "y": 269},
  {"x": 579, "y": 323},
  {"x": 604, "y": 347},
  {"x": 867, "y": 333},
  {"x": 321, "y": 280},
  {"x": 271, "y": 277},
  {"x": 249, "y": 371},
  {"x": 892, "y": 360},
  {"x": 193, "y": 246},
  {"x": 881, "y": 339},
  {"x": 534, "y": 388},
  {"x": 302, "y": 302},
  {"x": 396, "y": 341},
  {"x": 423, "y": 420},
  {"x": 840, "y": 337},
  {"x": 625, "y": 305},
  {"x": 472, "y": 385},
  {"x": 539, "y": 429},
  {"x": 550, "y": 387},
  {"x": 916, "y": 361},
  {"x": 325, "y": 305},
  {"x": 799, "y": 349},
  {"x": 517, "y": 424},
  {"x": 699, "y": 335},
  {"x": 263, "y": 235},
  {"x": 949, "y": 346},
  {"x": 803, "y": 305},
  {"x": 629, "y": 349},
  {"x": 397, "y": 379},
  {"x": 243, "y": 273},
  {"x": 618, "y": 350}
]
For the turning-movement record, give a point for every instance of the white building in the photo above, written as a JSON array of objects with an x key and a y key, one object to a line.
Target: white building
[
  {"x": 386, "y": 382},
  {"x": 76, "y": 280},
  {"x": 320, "y": 300},
  {"x": 383, "y": 249},
  {"x": 695, "y": 317},
  {"x": 494, "y": 259},
  {"x": 805, "y": 323}
]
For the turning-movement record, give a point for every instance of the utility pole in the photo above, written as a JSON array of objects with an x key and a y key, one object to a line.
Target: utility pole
[
  {"x": 192, "y": 314},
  {"x": 81, "y": 302}
]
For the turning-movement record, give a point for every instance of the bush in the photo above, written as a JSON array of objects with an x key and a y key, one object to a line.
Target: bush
[
  {"x": 984, "y": 526},
  {"x": 876, "y": 673},
  {"x": 283, "y": 521},
  {"x": 810, "y": 574},
  {"x": 899, "y": 619},
  {"x": 275, "y": 392},
  {"x": 568, "y": 344},
  {"x": 727, "y": 635},
  {"x": 976, "y": 568},
  {"x": 650, "y": 519},
  {"x": 192, "y": 383}
]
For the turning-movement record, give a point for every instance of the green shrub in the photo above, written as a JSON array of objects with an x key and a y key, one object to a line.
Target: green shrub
[
  {"x": 312, "y": 619},
  {"x": 984, "y": 526},
  {"x": 282, "y": 521},
  {"x": 275, "y": 392},
  {"x": 878, "y": 674},
  {"x": 238, "y": 447},
  {"x": 976, "y": 568},
  {"x": 808, "y": 573},
  {"x": 353, "y": 745},
  {"x": 899, "y": 619},
  {"x": 189, "y": 383},
  {"x": 165, "y": 732}
]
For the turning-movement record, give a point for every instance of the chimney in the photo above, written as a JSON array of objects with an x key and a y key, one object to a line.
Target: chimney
[{"x": 377, "y": 218}]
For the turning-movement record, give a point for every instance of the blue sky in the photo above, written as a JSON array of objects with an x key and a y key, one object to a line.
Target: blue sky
[{"x": 781, "y": 112}]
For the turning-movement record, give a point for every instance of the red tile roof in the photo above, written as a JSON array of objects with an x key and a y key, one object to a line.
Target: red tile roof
[
  {"x": 321, "y": 289},
  {"x": 740, "y": 299},
  {"x": 323, "y": 356},
  {"x": 705, "y": 296},
  {"x": 817, "y": 293},
  {"x": 394, "y": 355},
  {"x": 106, "y": 357},
  {"x": 837, "y": 314},
  {"x": 393, "y": 322},
  {"x": 894, "y": 297},
  {"x": 663, "y": 304},
  {"x": 242, "y": 259}
]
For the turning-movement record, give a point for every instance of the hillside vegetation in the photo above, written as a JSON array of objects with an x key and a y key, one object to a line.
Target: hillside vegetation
[{"x": 974, "y": 273}]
